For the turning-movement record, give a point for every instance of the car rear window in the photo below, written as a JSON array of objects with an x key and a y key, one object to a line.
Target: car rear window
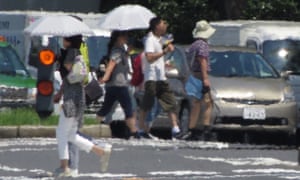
[{"x": 10, "y": 63}]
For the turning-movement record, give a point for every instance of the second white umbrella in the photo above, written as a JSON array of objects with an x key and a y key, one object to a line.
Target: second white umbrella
[{"x": 59, "y": 25}]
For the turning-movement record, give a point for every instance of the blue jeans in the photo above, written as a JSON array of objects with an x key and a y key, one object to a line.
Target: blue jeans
[
  {"x": 113, "y": 94},
  {"x": 154, "y": 112}
]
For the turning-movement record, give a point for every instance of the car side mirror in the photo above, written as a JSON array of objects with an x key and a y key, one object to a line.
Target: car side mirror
[{"x": 285, "y": 74}]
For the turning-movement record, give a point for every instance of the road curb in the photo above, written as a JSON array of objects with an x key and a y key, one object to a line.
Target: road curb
[
  {"x": 26, "y": 131},
  {"x": 9, "y": 131}
]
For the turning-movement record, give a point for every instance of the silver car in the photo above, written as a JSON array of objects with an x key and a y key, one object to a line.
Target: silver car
[{"x": 248, "y": 93}]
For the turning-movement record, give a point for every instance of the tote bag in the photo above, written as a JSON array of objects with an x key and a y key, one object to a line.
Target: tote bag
[{"x": 79, "y": 71}]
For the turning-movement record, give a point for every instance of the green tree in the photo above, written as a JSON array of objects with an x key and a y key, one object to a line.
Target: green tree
[
  {"x": 272, "y": 9},
  {"x": 183, "y": 14}
]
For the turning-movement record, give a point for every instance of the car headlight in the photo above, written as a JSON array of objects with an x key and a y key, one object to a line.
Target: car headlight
[
  {"x": 288, "y": 95},
  {"x": 31, "y": 94}
]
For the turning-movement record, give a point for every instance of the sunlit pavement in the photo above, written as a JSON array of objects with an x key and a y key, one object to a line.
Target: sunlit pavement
[{"x": 35, "y": 158}]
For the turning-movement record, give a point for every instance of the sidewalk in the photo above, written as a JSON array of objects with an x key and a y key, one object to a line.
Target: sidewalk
[{"x": 96, "y": 131}]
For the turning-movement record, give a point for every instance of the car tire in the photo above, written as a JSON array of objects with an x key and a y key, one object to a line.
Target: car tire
[{"x": 296, "y": 138}]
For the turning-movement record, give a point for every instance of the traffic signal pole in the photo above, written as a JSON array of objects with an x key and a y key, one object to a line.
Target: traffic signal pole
[{"x": 45, "y": 83}]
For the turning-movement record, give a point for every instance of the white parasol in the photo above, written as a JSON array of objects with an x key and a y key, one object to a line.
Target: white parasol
[
  {"x": 126, "y": 17},
  {"x": 58, "y": 25}
]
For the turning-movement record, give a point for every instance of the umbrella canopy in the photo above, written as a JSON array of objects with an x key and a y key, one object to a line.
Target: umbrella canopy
[
  {"x": 126, "y": 17},
  {"x": 58, "y": 25}
]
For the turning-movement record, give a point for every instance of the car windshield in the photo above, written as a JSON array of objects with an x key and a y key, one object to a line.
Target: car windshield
[
  {"x": 284, "y": 55},
  {"x": 240, "y": 64},
  {"x": 178, "y": 59},
  {"x": 10, "y": 63}
]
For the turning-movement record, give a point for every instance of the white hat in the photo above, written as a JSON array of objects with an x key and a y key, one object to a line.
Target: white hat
[{"x": 203, "y": 30}]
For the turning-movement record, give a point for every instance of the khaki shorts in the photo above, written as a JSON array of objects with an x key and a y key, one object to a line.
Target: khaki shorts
[{"x": 161, "y": 90}]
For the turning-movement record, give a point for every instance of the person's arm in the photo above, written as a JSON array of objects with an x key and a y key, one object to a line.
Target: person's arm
[
  {"x": 108, "y": 71},
  {"x": 58, "y": 95},
  {"x": 152, "y": 57}
]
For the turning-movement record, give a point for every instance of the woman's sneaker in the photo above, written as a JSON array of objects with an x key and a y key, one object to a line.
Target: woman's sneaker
[
  {"x": 105, "y": 157},
  {"x": 61, "y": 172},
  {"x": 74, "y": 172}
]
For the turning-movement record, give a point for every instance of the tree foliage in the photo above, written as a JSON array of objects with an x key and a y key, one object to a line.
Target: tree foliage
[
  {"x": 272, "y": 9},
  {"x": 183, "y": 14}
]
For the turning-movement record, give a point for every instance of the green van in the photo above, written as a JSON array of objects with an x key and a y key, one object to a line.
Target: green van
[{"x": 17, "y": 88}]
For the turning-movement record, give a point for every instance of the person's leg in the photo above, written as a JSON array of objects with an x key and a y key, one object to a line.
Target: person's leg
[
  {"x": 73, "y": 149},
  {"x": 73, "y": 157},
  {"x": 109, "y": 116},
  {"x": 142, "y": 117},
  {"x": 193, "y": 133},
  {"x": 109, "y": 100},
  {"x": 152, "y": 114},
  {"x": 167, "y": 101},
  {"x": 194, "y": 114},
  {"x": 87, "y": 145},
  {"x": 126, "y": 104},
  {"x": 207, "y": 103},
  {"x": 147, "y": 103},
  {"x": 175, "y": 128},
  {"x": 193, "y": 88},
  {"x": 134, "y": 103},
  {"x": 62, "y": 131}
]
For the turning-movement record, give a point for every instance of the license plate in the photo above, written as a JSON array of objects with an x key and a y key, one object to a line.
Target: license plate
[{"x": 254, "y": 113}]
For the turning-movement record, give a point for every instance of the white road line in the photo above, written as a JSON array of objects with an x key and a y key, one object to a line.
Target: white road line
[{"x": 252, "y": 161}]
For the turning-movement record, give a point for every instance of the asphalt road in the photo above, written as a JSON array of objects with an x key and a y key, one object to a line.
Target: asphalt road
[{"x": 34, "y": 158}]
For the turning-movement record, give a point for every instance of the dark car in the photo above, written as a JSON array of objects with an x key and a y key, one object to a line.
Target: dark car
[{"x": 17, "y": 88}]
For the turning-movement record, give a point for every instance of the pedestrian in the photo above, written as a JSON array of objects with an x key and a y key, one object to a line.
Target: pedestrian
[
  {"x": 153, "y": 113},
  {"x": 198, "y": 84},
  {"x": 117, "y": 82},
  {"x": 72, "y": 115},
  {"x": 73, "y": 149},
  {"x": 156, "y": 84}
]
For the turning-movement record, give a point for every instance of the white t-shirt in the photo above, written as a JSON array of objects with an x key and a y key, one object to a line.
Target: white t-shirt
[{"x": 154, "y": 71}]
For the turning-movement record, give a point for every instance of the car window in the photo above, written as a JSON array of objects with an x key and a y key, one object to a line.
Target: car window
[
  {"x": 254, "y": 65},
  {"x": 10, "y": 63},
  {"x": 283, "y": 54},
  {"x": 240, "y": 64},
  {"x": 178, "y": 58}
]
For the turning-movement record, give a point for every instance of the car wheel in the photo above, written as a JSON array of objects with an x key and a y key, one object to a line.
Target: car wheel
[
  {"x": 184, "y": 116},
  {"x": 296, "y": 138}
]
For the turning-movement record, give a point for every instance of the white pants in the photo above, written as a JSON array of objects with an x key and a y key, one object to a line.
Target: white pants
[{"x": 66, "y": 131}]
